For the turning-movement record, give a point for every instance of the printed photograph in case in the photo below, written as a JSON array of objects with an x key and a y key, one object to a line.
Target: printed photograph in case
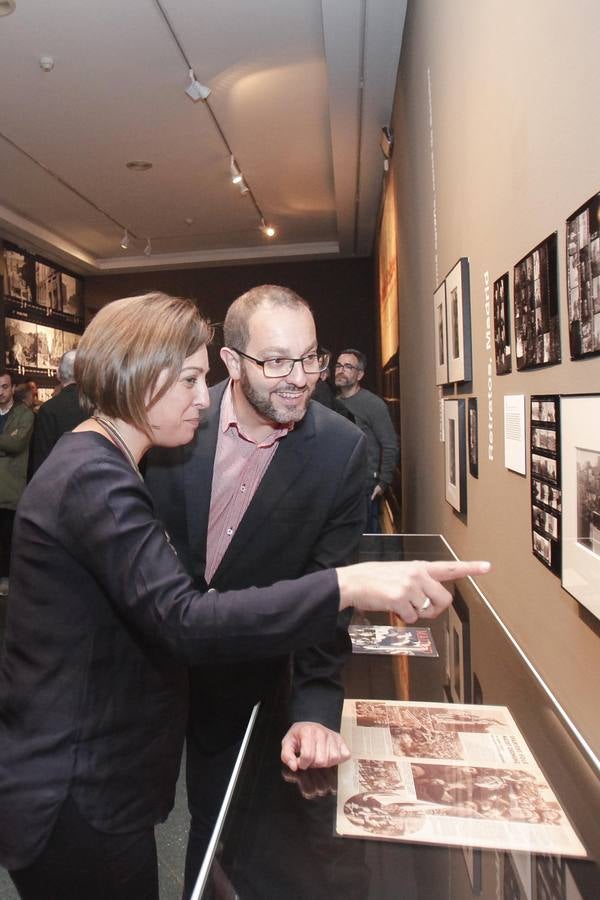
[
  {"x": 440, "y": 339},
  {"x": 473, "y": 439},
  {"x": 458, "y": 314},
  {"x": 455, "y": 451},
  {"x": 502, "y": 326},
  {"x": 580, "y": 464},
  {"x": 537, "y": 330},
  {"x": 546, "y": 501},
  {"x": 583, "y": 279}
]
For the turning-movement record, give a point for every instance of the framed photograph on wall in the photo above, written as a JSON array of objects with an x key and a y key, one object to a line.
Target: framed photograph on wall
[
  {"x": 458, "y": 306},
  {"x": 20, "y": 275},
  {"x": 545, "y": 468},
  {"x": 455, "y": 452},
  {"x": 473, "y": 439},
  {"x": 537, "y": 330},
  {"x": 460, "y": 650},
  {"x": 580, "y": 443},
  {"x": 440, "y": 340},
  {"x": 502, "y": 326},
  {"x": 583, "y": 279}
]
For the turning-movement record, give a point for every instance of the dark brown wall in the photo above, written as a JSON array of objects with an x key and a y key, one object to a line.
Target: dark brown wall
[{"x": 339, "y": 291}]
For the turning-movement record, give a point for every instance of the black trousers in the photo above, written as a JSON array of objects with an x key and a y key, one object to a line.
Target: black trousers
[
  {"x": 7, "y": 518},
  {"x": 81, "y": 863}
]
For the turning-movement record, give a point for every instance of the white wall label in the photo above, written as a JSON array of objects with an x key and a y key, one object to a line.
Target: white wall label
[{"x": 514, "y": 433}]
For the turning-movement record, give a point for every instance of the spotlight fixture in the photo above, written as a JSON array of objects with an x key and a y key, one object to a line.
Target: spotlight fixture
[
  {"x": 6, "y": 7},
  {"x": 236, "y": 175},
  {"x": 148, "y": 248},
  {"x": 244, "y": 189},
  {"x": 125, "y": 240},
  {"x": 195, "y": 90},
  {"x": 267, "y": 230}
]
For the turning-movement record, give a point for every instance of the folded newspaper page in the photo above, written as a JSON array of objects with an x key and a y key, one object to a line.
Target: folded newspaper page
[
  {"x": 392, "y": 641},
  {"x": 446, "y": 773}
]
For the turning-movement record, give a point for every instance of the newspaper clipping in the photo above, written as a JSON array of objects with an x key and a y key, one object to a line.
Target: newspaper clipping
[
  {"x": 390, "y": 640},
  {"x": 438, "y": 773}
]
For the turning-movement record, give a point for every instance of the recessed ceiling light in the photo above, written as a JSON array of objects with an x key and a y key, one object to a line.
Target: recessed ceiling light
[
  {"x": 189, "y": 221},
  {"x": 7, "y": 6},
  {"x": 137, "y": 165}
]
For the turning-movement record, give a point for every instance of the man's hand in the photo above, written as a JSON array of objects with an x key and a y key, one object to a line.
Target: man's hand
[{"x": 311, "y": 745}]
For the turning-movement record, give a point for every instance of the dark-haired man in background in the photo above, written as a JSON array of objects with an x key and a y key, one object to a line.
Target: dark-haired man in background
[
  {"x": 270, "y": 488},
  {"x": 372, "y": 416},
  {"x": 16, "y": 425}
]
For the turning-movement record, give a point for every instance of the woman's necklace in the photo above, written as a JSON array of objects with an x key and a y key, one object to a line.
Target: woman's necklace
[{"x": 114, "y": 432}]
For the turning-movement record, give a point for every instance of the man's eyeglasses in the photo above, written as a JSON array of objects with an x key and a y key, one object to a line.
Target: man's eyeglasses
[
  {"x": 281, "y": 366},
  {"x": 348, "y": 367}
]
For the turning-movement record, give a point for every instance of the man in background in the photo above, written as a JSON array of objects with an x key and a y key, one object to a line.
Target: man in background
[
  {"x": 372, "y": 416},
  {"x": 58, "y": 415},
  {"x": 270, "y": 488},
  {"x": 16, "y": 425}
]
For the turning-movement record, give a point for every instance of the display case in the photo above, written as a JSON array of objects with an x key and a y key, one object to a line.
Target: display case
[{"x": 276, "y": 835}]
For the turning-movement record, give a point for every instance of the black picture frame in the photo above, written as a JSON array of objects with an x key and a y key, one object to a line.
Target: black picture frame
[
  {"x": 583, "y": 279},
  {"x": 545, "y": 473},
  {"x": 459, "y": 651},
  {"x": 458, "y": 315},
  {"x": 455, "y": 454},
  {"x": 502, "y": 343},
  {"x": 537, "y": 316},
  {"x": 472, "y": 417}
]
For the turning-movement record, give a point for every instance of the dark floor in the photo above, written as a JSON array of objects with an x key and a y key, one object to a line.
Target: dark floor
[{"x": 170, "y": 837}]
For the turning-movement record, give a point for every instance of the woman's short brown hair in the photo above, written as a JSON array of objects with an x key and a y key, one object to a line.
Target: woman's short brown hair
[{"x": 125, "y": 348}]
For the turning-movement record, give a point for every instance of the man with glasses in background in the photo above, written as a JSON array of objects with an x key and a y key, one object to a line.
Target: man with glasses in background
[
  {"x": 270, "y": 488},
  {"x": 372, "y": 416}
]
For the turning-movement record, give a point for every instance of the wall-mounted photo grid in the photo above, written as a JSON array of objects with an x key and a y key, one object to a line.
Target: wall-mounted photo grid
[
  {"x": 546, "y": 495},
  {"x": 38, "y": 292},
  {"x": 583, "y": 279},
  {"x": 41, "y": 316},
  {"x": 537, "y": 331}
]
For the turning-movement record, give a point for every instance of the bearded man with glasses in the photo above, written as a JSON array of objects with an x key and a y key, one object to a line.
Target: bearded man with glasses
[{"x": 271, "y": 488}]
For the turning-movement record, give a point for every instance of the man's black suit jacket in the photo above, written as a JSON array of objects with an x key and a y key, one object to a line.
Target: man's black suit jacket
[
  {"x": 307, "y": 514},
  {"x": 55, "y": 417}
]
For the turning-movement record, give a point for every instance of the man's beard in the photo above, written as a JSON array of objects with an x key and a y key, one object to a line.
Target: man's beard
[{"x": 261, "y": 402}]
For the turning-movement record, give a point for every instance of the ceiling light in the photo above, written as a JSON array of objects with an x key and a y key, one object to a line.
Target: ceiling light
[
  {"x": 196, "y": 90},
  {"x": 138, "y": 165},
  {"x": 6, "y": 7},
  {"x": 46, "y": 63},
  {"x": 125, "y": 240},
  {"x": 148, "y": 248},
  {"x": 236, "y": 175},
  {"x": 267, "y": 230}
]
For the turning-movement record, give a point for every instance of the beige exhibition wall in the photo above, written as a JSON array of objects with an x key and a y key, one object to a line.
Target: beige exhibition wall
[{"x": 497, "y": 141}]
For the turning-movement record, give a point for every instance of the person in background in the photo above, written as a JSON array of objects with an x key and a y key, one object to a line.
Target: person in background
[
  {"x": 16, "y": 425},
  {"x": 325, "y": 394},
  {"x": 271, "y": 487},
  {"x": 103, "y": 619},
  {"x": 26, "y": 392},
  {"x": 60, "y": 414},
  {"x": 372, "y": 416}
]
